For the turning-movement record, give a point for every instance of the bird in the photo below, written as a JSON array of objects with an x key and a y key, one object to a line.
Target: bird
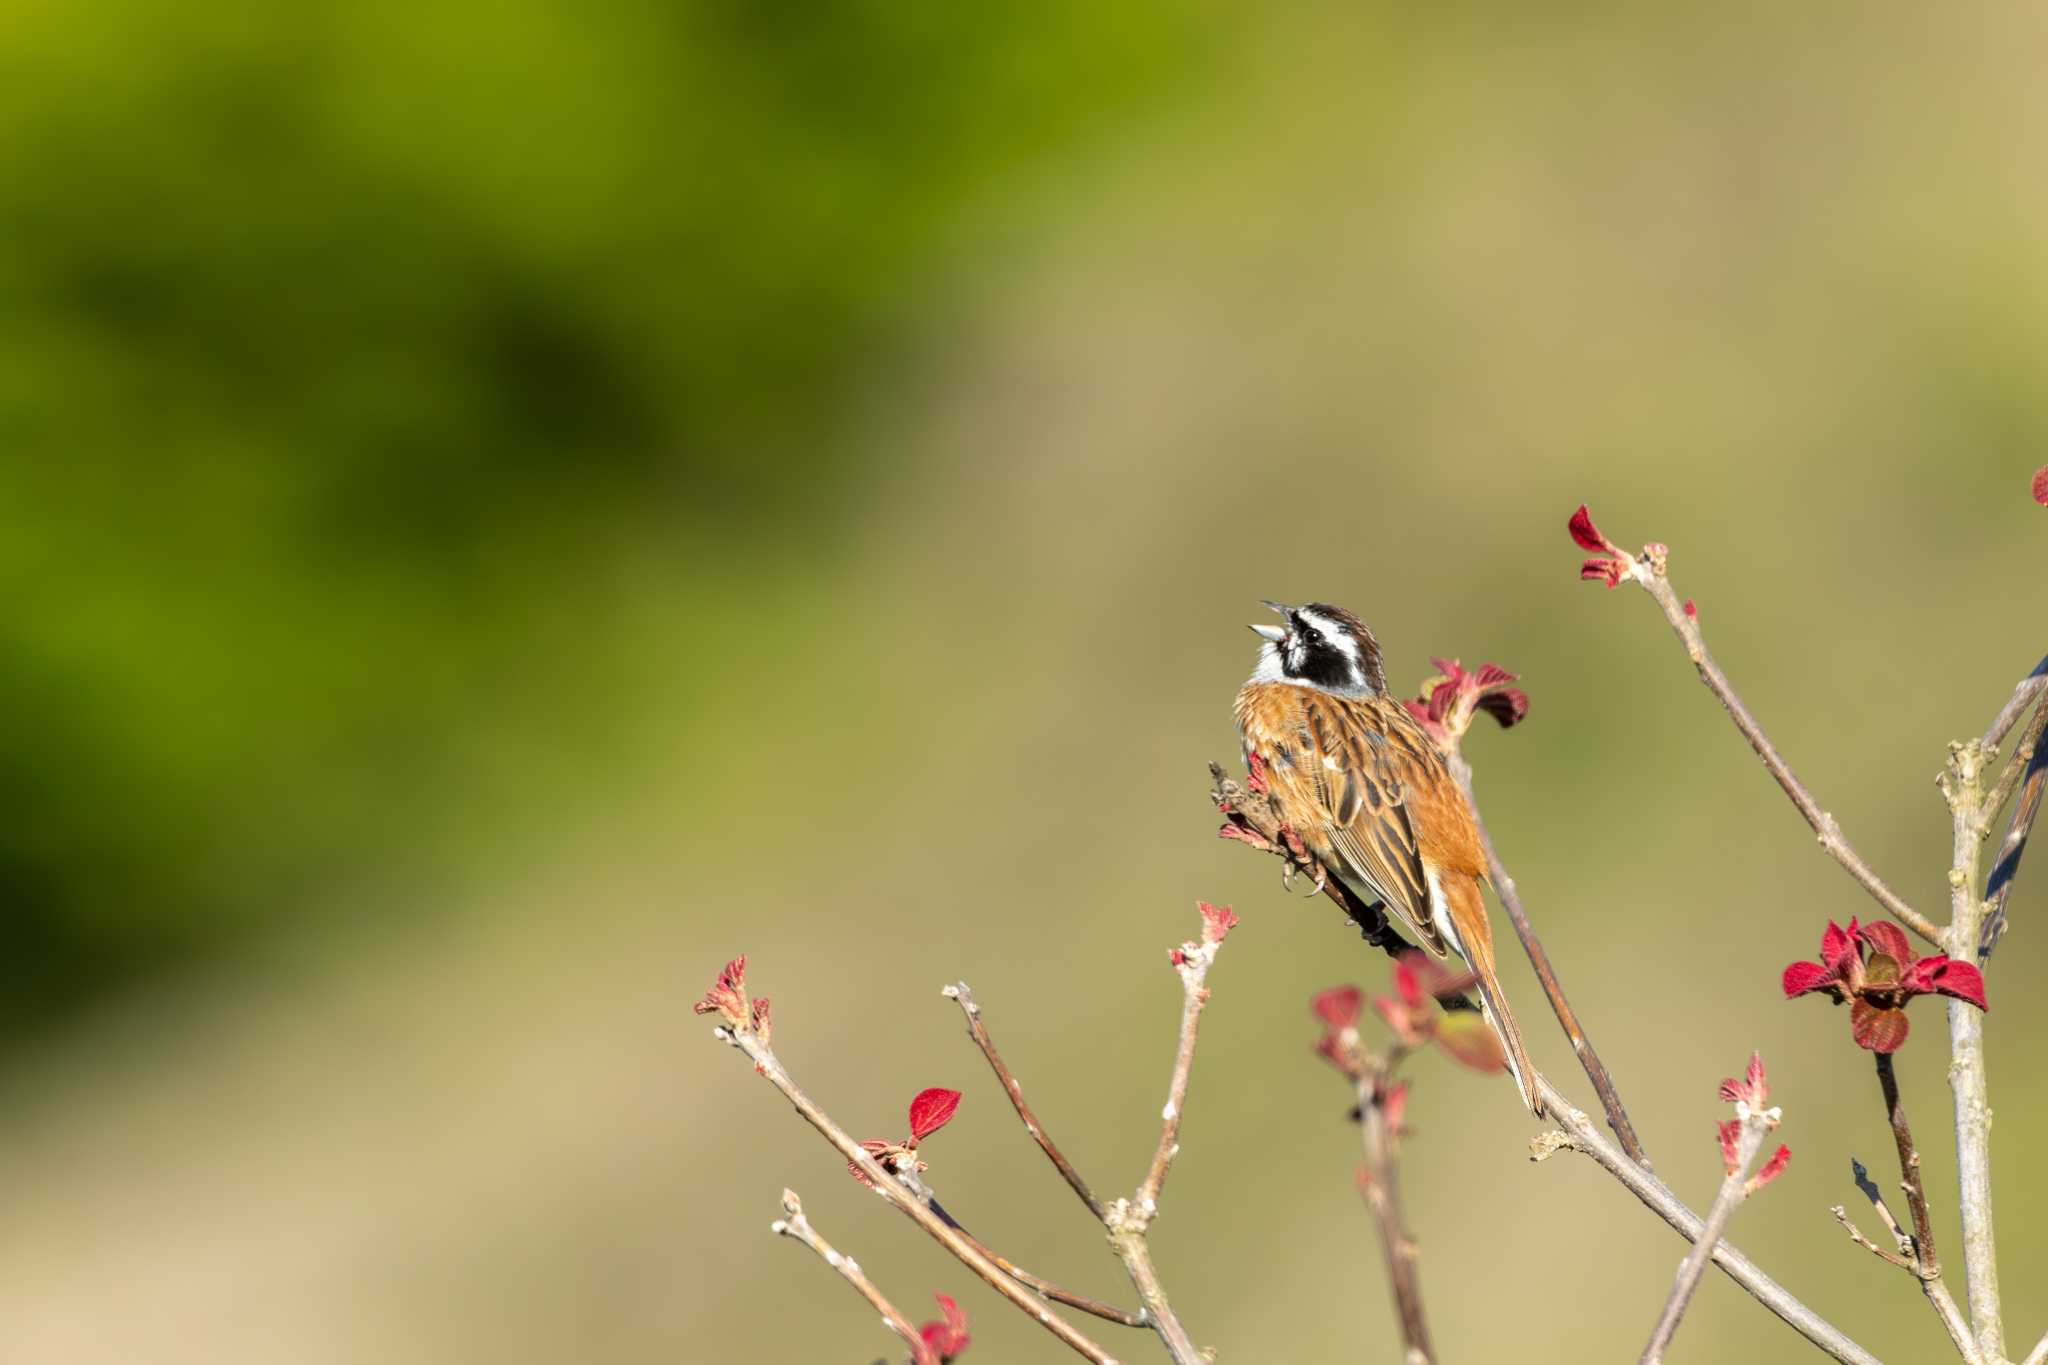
[{"x": 1371, "y": 796}]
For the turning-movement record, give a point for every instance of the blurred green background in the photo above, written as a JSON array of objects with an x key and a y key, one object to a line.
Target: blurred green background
[{"x": 506, "y": 509}]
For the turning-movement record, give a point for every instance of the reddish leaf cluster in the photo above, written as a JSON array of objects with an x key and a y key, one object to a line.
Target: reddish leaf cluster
[
  {"x": 1872, "y": 966},
  {"x": 946, "y": 1338},
  {"x": 930, "y": 1110},
  {"x": 1414, "y": 1015},
  {"x": 1217, "y": 922},
  {"x": 1610, "y": 563},
  {"x": 2040, "y": 485},
  {"x": 1452, "y": 698},
  {"x": 1750, "y": 1095},
  {"x": 728, "y": 998}
]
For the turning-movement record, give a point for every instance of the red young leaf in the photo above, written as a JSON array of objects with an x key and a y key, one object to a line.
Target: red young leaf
[
  {"x": 948, "y": 1338},
  {"x": 2040, "y": 487},
  {"x": 1612, "y": 570},
  {"x": 1772, "y": 1168},
  {"x": 930, "y": 1112},
  {"x": 1889, "y": 939},
  {"x": 1394, "y": 1104},
  {"x": 1837, "y": 944},
  {"x": 1584, "y": 534},
  {"x": 1338, "y": 1006},
  {"x": 1493, "y": 675},
  {"x": 1944, "y": 975},
  {"x": 1508, "y": 705},
  {"x": 1420, "y": 710},
  {"x": 1217, "y": 920},
  {"x": 1751, "y": 1089},
  {"x": 763, "y": 1023},
  {"x": 1443, "y": 699},
  {"x": 1468, "y": 1038},
  {"x": 1730, "y": 1132},
  {"x": 1330, "y": 1047},
  {"x": 1802, "y": 977},
  {"x": 1877, "y": 1028},
  {"x": 1402, "y": 1020},
  {"x": 1408, "y": 980},
  {"x": 1434, "y": 977},
  {"x": 728, "y": 995}
]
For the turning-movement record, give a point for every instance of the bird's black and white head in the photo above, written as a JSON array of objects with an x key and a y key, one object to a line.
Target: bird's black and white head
[{"x": 1320, "y": 646}]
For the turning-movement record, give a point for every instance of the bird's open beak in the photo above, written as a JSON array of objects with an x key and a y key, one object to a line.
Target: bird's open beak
[{"x": 1273, "y": 633}]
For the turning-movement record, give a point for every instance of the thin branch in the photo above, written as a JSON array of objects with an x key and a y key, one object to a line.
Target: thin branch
[
  {"x": 2031, "y": 758},
  {"x": 2016, "y": 766},
  {"x": 1581, "y": 1134},
  {"x": 1962, "y": 784},
  {"x": 1929, "y": 1264},
  {"x": 1567, "y": 1017},
  {"x": 1058, "y": 1294},
  {"x": 891, "y": 1188},
  {"x": 1902, "y": 1239},
  {"x": 1383, "y": 1196},
  {"x": 2023, "y": 695},
  {"x": 1754, "y": 1128},
  {"x": 1648, "y": 570},
  {"x": 961, "y": 995},
  {"x": 1856, "y": 1235},
  {"x": 1916, "y": 1250},
  {"x": 2039, "y": 1355},
  {"x": 794, "y": 1225},
  {"x": 1194, "y": 995},
  {"x": 1130, "y": 1220}
]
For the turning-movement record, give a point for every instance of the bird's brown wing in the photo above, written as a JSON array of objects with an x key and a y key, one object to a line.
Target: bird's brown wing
[{"x": 1344, "y": 772}]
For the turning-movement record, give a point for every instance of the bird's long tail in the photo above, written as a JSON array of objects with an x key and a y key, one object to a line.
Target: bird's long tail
[{"x": 1471, "y": 934}]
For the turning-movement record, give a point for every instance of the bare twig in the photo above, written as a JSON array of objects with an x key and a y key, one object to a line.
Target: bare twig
[
  {"x": 1962, "y": 784},
  {"x": 794, "y": 1225},
  {"x": 1929, "y": 1264},
  {"x": 1581, "y": 1134},
  {"x": 1648, "y": 570},
  {"x": 1567, "y": 1017},
  {"x": 1902, "y": 1239},
  {"x": 1755, "y": 1126},
  {"x": 961, "y": 995},
  {"x": 1383, "y": 1196},
  {"x": 887, "y": 1184},
  {"x": 1856, "y": 1235},
  {"x": 1129, "y": 1220},
  {"x": 1057, "y": 1293},
  {"x": 2015, "y": 767},
  {"x": 2030, "y": 759},
  {"x": 2039, "y": 1355},
  {"x": 1916, "y": 1250},
  {"x": 2023, "y": 696}
]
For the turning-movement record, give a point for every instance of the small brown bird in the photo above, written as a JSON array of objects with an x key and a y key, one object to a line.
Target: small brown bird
[{"x": 1370, "y": 795}]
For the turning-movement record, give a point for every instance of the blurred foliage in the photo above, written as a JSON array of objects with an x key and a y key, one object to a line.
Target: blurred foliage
[{"x": 346, "y": 345}]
